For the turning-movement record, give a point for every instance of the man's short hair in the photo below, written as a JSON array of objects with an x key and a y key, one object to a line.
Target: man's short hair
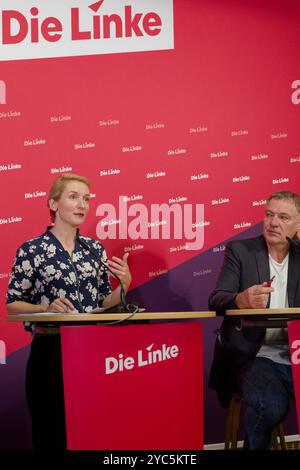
[{"x": 287, "y": 195}]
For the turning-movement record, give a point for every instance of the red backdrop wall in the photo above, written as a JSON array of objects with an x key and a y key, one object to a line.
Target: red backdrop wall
[{"x": 215, "y": 120}]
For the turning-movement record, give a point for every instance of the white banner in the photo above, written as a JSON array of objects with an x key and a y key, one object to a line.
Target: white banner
[{"x": 34, "y": 29}]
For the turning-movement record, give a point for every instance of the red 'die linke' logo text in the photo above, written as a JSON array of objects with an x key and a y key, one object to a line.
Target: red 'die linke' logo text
[
  {"x": 97, "y": 23},
  {"x": 51, "y": 29},
  {"x": 145, "y": 357}
]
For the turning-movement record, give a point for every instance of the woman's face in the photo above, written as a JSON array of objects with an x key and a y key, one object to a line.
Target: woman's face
[{"x": 73, "y": 205}]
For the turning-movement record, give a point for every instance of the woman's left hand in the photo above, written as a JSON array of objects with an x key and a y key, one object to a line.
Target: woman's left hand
[{"x": 121, "y": 269}]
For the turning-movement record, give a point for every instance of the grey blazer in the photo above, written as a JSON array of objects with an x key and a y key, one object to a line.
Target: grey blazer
[{"x": 245, "y": 263}]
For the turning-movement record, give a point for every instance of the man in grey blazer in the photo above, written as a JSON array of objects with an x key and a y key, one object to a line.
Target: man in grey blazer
[{"x": 260, "y": 272}]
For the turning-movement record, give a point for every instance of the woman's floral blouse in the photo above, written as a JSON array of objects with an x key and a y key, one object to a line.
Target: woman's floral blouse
[{"x": 43, "y": 271}]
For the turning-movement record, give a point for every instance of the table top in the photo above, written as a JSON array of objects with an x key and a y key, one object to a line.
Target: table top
[
  {"x": 265, "y": 317},
  {"x": 102, "y": 317},
  {"x": 267, "y": 312}
]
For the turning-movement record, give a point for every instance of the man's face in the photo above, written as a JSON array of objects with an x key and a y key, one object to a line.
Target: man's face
[{"x": 281, "y": 220}]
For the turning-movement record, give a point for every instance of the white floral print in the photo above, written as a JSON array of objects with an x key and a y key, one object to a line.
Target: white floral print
[{"x": 43, "y": 271}]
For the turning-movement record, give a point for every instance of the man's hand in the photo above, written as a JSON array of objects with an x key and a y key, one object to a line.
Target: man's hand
[{"x": 256, "y": 296}]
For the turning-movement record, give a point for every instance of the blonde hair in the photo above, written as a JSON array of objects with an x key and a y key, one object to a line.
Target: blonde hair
[{"x": 59, "y": 185}]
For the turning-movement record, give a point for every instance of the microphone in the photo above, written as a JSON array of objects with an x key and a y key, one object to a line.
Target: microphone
[
  {"x": 118, "y": 308},
  {"x": 293, "y": 242}
]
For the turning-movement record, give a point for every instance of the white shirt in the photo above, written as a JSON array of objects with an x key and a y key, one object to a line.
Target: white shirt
[{"x": 276, "y": 344}]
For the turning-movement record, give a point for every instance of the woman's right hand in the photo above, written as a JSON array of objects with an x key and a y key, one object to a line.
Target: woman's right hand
[{"x": 61, "y": 305}]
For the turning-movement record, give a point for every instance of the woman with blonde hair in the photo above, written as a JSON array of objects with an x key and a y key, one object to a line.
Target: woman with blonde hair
[{"x": 56, "y": 272}]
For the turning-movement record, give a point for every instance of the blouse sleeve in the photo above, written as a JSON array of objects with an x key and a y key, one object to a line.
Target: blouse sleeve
[{"x": 22, "y": 277}]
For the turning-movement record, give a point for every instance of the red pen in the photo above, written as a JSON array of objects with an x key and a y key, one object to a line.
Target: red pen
[{"x": 269, "y": 282}]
